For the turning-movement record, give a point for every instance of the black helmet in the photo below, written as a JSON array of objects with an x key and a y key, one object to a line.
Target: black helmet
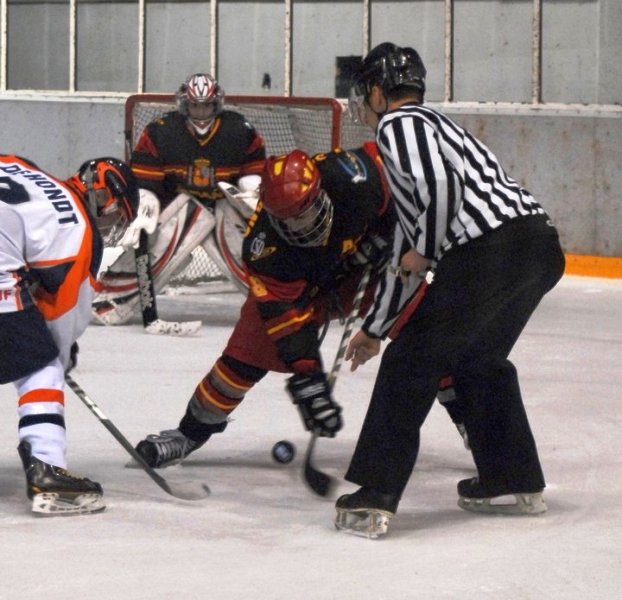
[{"x": 390, "y": 66}]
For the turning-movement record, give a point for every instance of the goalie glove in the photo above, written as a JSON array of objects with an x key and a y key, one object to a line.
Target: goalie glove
[
  {"x": 244, "y": 199},
  {"x": 146, "y": 218},
  {"x": 319, "y": 412},
  {"x": 250, "y": 183},
  {"x": 373, "y": 250}
]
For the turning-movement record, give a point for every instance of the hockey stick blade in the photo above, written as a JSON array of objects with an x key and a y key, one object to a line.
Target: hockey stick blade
[
  {"x": 183, "y": 491},
  {"x": 177, "y": 328},
  {"x": 320, "y": 483}
]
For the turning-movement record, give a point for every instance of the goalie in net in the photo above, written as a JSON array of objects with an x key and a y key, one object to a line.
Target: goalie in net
[{"x": 178, "y": 161}]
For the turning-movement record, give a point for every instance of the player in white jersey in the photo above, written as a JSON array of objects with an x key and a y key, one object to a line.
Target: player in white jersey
[{"x": 52, "y": 234}]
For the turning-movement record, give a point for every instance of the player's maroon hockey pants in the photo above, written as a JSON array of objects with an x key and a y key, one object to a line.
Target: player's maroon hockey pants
[{"x": 251, "y": 344}]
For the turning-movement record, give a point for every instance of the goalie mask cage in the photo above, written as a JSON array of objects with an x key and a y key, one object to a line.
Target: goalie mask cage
[{"x": 310, "y": 124}]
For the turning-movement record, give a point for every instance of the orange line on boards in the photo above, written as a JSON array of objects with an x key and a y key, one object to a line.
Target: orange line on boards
[{"x": 593, "y": 266}]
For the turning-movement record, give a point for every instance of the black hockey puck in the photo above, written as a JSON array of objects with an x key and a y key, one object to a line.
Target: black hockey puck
[{"x": 283, "y": 452}]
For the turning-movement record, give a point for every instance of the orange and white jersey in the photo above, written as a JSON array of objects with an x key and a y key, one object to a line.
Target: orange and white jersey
[{"x": 49, "y": 253}]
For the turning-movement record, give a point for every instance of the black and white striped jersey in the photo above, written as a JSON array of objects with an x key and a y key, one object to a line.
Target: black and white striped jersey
[{"x": 448, "y": 189}]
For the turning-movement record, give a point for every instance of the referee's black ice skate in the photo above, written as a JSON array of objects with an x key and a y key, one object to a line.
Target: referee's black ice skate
[
  {"x": 166, "y": 448},
  {"x": 366, "y": 512},
  {"x": 502, "y": 500},
  {"x": 55, "y": 491}
]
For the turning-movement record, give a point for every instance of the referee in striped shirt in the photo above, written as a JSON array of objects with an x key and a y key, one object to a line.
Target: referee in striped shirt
[{"x": 474, "y": 254}]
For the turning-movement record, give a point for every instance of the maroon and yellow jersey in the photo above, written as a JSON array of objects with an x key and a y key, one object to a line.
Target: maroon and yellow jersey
[
  {"x": 293, "y": 286},
  {"x": 170, "y": 157}
]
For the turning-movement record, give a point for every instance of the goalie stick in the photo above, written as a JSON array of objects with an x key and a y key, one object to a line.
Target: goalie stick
[
  {"x": 146, "y": 291},
  {"x": 183, "y": 491},
  {"x": 322, "y": 483}
]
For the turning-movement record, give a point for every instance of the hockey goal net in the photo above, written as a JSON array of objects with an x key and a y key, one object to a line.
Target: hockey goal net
[{"x": 308, "y": 123}]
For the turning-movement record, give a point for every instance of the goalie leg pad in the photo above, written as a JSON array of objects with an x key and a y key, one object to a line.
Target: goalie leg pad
[
  {"x": 196, "y": 226},
  {"x": 170, "y": 249},
  {"x": 115, "y": 312}
]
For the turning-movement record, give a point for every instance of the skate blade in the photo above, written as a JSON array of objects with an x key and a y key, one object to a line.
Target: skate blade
[
  {"x": 52, "y": 504},
  {"x": 509, "y": 504},
  {"x": 370, "y": 524}
]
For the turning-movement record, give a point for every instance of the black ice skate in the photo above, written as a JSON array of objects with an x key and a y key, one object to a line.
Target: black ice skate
[
  {"x": 55, "y": 491},
  {"x": 366, "y": 512},
  {"x": 477, "y": 498},
  {"x": 166, "y": 448}
]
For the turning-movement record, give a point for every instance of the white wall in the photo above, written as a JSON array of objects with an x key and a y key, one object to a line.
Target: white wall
[{"x": 568, "y": 158}]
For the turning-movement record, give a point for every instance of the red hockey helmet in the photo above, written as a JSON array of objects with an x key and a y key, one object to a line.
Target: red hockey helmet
[
  {"x": 110, "y": 191},
  {"x": 299, "y": 209},
  {"x": 200, "y": 99}
]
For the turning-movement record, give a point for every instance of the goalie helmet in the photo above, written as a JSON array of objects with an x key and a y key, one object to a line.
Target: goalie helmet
[
  {"x": 390, "y": 67},
  {"x": 200, "y": 99},
  {"x": 110, "y": 192},
  {"x": 299, "y": 209}
]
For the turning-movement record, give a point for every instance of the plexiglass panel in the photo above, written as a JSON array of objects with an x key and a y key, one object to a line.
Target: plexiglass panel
[
  {"x": 251, "y": 47},
  {"x": 177, "y": 43},
  {"x": 493, "y": 50},
  {"x": 107, "y": 46},
  {"x": 420, "y": 25},
  {"x": 38, "y": 46}
]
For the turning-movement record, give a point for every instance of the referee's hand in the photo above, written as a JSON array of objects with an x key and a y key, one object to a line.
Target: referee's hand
[{"x": 361, "y": 348}]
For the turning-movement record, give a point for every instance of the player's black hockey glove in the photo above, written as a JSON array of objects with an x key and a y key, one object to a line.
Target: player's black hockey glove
[
  {"x": 311, "y": 394},
  {"x": 373, "y": 250}
]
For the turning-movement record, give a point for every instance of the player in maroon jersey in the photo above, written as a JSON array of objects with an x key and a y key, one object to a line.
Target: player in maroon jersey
[{"x": 319, "y": 222}]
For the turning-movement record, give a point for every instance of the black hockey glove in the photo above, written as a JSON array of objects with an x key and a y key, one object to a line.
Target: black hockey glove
[
  {"x": 311, "y": 394},
  {"x": 373, "y": 250}
]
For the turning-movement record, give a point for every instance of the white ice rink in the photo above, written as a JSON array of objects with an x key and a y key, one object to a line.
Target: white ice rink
[{"x": 263, "y": 536}]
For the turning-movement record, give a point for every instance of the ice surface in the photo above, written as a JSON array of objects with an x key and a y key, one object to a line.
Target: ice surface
[{"x": 263, "y": 535}]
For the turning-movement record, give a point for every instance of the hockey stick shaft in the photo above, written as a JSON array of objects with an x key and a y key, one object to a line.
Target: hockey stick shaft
[
  {"x": 144, "y": 274},
  {"x": 202, "y": 490},
  {"x": 318, "y": 481},
  {"x": 146, "y": 289},
  {"x": 349, "y": 326},
  {"x": 147, "y": 296}
]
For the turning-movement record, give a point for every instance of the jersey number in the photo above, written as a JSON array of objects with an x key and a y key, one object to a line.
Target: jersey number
[{"x": 12, "y": 192}]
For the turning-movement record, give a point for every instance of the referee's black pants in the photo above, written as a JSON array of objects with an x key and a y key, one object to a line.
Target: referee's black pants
[{"x": 481, "y": 298}]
